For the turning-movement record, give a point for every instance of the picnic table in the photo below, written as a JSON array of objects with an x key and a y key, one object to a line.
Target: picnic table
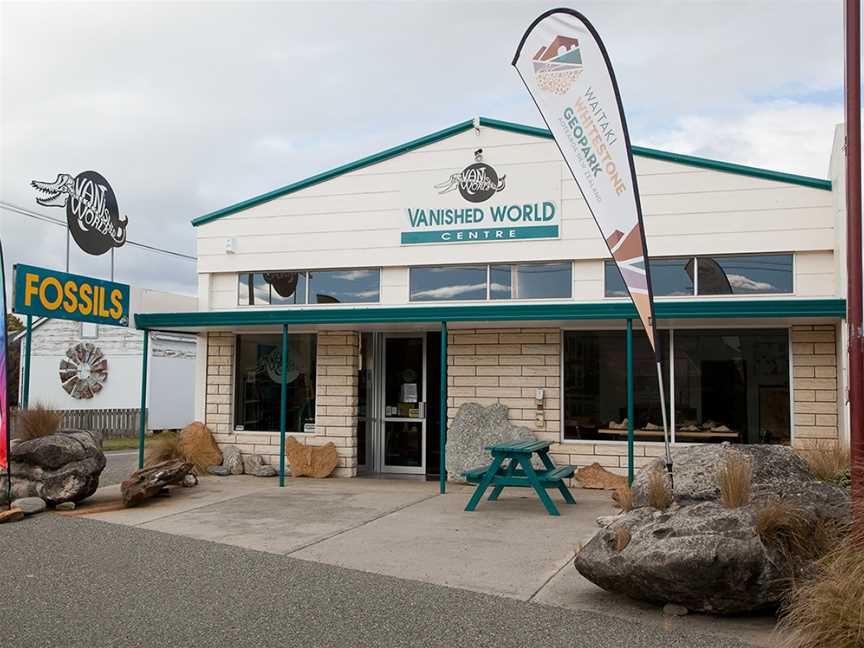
[{"x": 520, "y": 473}]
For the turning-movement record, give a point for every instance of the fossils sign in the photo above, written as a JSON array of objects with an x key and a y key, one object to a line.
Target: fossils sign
[{"x": 91, "y": 209}]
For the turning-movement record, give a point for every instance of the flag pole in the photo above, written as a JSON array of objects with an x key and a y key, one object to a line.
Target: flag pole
[{"x": 665, "y": 424}]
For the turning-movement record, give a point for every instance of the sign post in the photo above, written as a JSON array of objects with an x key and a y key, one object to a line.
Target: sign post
[{"x": 5, "y": 431}]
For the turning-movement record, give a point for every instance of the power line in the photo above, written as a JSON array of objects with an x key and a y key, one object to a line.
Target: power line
[{"x": 61, "y": 223}]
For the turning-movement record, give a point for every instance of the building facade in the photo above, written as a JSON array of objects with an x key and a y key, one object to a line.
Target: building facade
[{"x": 465, "y": 267}]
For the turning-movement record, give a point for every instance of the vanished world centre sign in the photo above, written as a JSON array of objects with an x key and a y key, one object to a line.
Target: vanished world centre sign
[{"x": 482, "y": 203}]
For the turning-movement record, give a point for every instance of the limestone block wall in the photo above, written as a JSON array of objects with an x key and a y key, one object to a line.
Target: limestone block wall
[
  {"x": 814, "y": 374},
  {"x": 336, "y": 400}
]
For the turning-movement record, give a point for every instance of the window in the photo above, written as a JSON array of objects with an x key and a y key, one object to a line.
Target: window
[
  {"x": 343, "y": 286},
  {"x": 749, "y": 274},
  {"x": 595, "y": 385},
  {"x": 284, "y": 287},
  {"x": 720, "y": 275},
  {"x": 732, "y": 386},
  {"x": 499, "y": 281},
  {"x": 258, "y": 377}
]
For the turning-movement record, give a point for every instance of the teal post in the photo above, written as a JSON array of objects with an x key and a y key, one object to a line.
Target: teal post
[
  {"x": 142, "y": 423},
  {"x": 630, "y": 401},
  {"x": 283, "y": 405},
  {"x": 25, "y": 396},
  {"x": 442, "y": 415}
]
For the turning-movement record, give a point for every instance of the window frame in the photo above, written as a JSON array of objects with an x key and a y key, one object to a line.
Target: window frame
[
  {"x": 307, "y": 288},
  {"x": 695, "y": 258},
  {"x": 488, "y": 267}
]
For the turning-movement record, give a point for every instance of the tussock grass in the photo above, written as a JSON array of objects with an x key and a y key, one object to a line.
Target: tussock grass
[
  {"x": 829, "y": 461},
  {"x": 736, "y": 480},
  {"x": 623, "y": 497},
  {"x": 37, "y": 421},
  {"x": 826, "y": 608},
  {"x": 797, "y": 533},
  {"x": 622, "y": 538},
  {"x": 161, "y": 448},
  {"x": 659, "y": 491}
]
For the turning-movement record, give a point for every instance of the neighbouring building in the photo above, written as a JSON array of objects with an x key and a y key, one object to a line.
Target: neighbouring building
[{"x": 480, "y": 226}]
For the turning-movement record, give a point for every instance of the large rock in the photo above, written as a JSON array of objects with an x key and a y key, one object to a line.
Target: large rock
[
  {"x": 196, "y": 444},
  {"x": 475, "y": 427},
  {"x": 596, "y": 476},
  {"x": 61, "y": 467},
  {"x": 314, "y": 461},
  {"x": 700, "y": 554},
  {"x": 149, "y": 482},
  {"x": 251, "y": 463},
  {"x": 30, "y": 505}
]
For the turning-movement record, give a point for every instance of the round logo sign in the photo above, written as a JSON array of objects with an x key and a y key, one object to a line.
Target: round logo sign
[
  {"x": 479, "y": 182},
  {"x": 93, "y": 216}
]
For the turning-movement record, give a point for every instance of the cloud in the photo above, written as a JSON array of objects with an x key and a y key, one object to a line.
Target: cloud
[
  {"x": 746, "y": 284},
  {"x": 447, "y": 292}
]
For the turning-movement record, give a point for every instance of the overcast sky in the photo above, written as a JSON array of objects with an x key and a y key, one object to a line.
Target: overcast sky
[{"x": 188, "y": 107}]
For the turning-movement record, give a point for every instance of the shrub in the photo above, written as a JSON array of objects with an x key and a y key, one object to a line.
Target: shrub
[
  {"x": 37, "y": 421},
  {"x": 659, "y": 490},
  {"x": 829, "y": 462},
  {"x": 736, "y": 479},
  {"x": 161, "y": 448},
  {"x": 622, "y": 538}
]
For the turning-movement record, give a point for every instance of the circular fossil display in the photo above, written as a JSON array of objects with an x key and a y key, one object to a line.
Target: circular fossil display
[{"x": 84, "y": 370}]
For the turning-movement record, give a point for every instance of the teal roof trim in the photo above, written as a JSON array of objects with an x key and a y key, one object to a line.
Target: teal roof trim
[
  {"x": 704, "y": 163},
  {"x": 724, "y": 309}
]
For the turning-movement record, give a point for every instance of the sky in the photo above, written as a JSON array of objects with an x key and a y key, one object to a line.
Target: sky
[{"x": 189, "y": 107}]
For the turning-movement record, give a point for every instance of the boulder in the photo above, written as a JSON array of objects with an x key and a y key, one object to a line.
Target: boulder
[
  {"x": 219, "y": 471},
  {"x": 314, "y": 461},
  {"x": 596, "y": 476},
  {"x": 196, "y": 444},
  {"x": 699, "y": 554},
  {"x": 30, "y": 505},
  {"x": 475, "y": 427},
  {"x": 61, "y": 467},
  {"x": 251, "y": 462},
  {"x": 149, "y": 482},
  {"x": 265, "y": 471},
  {"x": 232, "y": 459}
]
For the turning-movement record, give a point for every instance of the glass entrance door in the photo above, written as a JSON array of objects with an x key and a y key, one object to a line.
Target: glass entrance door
[{"x": 404, "y": 404}]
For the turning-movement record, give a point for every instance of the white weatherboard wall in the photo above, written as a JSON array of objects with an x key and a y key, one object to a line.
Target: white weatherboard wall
[{"x": 355, "y": 220}]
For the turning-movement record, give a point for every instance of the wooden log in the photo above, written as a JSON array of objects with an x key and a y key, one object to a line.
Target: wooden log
[{"x": 148, "y": 482}]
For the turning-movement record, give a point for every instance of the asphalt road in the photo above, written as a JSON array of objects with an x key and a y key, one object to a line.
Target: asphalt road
[
  {"x": 121, "y": 464},
  {"x": 74, "y": 582}
]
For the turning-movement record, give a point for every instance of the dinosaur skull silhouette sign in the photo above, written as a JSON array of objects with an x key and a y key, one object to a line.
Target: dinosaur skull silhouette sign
[{"x": 91, "y": 209}]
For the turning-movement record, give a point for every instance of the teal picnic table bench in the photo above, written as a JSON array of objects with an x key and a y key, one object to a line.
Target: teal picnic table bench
[{"x": 520, "y": 473}]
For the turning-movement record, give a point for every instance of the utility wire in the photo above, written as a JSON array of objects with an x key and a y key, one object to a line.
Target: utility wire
[{"x": 61, "y": 223}]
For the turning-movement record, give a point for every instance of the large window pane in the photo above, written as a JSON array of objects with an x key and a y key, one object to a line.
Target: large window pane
[
  {"x": 732, "y": 386},
  {"x": 253, "y": 290},
  {"x": 500, "y": 282},
  {"x": 595, "y": 386},
  {"x": 542, "y": 280},
  {"x": 343, "y": 286},
  {"x": 746, "y": 274},
  {"x": 448, "y": 283},
  {"x": 669, "y": 278},
  {"x": 258, "y": 382}
]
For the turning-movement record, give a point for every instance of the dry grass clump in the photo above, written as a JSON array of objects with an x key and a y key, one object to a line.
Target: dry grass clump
[
  {"x": 161, "y": 448},
  {"x": 37, "y": 421},
  {"x": 736, "y": 480},
  {"x": 622, "y": 538},
  {"x": 830, "y": 462},
  {"x": 826, "y": 608},
  {"x": 623, "y": 497},
  {"x": 659, "y": 490}
]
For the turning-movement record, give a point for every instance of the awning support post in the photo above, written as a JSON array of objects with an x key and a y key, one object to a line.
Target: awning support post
[
  {"x": 442, "y": 415},
  {"x": 630, "y": 434},
  {"x": 28, "y": 339},
  {"x": 283, "y": 405},
  {"x": 142, "y": 420}
]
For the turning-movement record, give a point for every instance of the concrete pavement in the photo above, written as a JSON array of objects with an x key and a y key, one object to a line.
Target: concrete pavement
[{"x": 404, "y": 529}]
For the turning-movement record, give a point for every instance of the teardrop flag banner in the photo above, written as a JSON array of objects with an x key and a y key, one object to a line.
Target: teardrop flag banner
[
  {"x": 5, "y": 463},
  {"x": 567, "y": 71}
]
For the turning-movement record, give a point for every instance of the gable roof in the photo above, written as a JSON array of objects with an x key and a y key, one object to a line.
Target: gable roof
[{"x": 690, "y": 160}]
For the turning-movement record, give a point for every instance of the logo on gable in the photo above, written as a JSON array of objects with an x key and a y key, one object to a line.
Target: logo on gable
[
  {"x": 558, "y": 65},
  {"x": 477, "y": 182}
]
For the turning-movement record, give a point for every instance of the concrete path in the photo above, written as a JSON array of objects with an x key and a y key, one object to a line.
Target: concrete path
[{"x": 404, "y": 529}]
